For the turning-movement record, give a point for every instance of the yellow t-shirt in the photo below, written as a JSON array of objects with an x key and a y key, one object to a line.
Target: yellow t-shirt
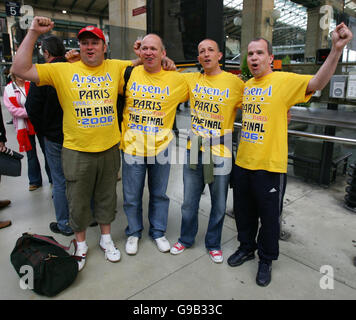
[
  {"x": 264, "y": 134},
  {"x": 88, "y": 96},
  {"x": 150, "y": 109},
  {"x": 213, "y": 103}
]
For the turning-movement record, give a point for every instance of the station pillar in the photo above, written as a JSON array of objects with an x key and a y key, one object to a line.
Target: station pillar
[
  {"x": 257, "y": 22},
  {"x": 127, "y": 22}
]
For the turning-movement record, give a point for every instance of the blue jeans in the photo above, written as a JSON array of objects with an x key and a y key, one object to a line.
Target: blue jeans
[
  {"x": 193, "y": 181},
  {"x": 54, "y": 158},
  {"x": 133, "y": 181},
  {"x": 34, "y": 167}
]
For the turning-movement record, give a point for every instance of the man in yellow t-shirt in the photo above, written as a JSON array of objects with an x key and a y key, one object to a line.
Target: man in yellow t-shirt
[
  {"x": 152, "y": 96},
  {"x": 215, "y": 96},
  {"x": 261, "y": 161},
  {"x": 87, "y": 91}
]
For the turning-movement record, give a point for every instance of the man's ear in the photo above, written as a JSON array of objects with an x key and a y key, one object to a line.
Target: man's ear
[
  {"x": 271, "y": 58},
  {"x": 220, "y": 55},
  {"x": 105, "y": 48}
]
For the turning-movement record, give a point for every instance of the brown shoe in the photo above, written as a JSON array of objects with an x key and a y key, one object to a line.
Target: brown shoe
[
  {"x": 4, "y": 203},
  {"x": 33, "y": 187},
  {"x": 4, "y": 224}
]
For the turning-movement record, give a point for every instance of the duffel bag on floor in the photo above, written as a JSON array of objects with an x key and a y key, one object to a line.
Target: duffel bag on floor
[{"x": 53, "y": 268}]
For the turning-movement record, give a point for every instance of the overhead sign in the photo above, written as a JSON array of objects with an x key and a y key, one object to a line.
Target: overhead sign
[
  {"x": 138, "y": 11},
  {"x": 12, "y": 8}
]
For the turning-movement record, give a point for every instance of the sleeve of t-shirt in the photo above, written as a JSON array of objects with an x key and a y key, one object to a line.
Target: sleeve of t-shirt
[
  {"x": 295, "y": 88},
  {"x": 46, "y": 74},
  {"x": 240, "y": 85},
  {"x": 184, "y": 88}
]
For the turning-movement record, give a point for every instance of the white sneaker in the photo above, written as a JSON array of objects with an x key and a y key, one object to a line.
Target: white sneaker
[
  {"x": 163, "y": 244},
  {"x": 131, "y": 245},
  {"x": 111, "y": 252},
  {"x": 83, "y": 254}
]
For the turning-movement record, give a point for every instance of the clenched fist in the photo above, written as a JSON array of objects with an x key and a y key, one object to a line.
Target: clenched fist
[{"x": 41, "y": 25}]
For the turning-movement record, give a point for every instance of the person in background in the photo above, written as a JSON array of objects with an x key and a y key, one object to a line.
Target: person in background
[
  {"x": 3, "y": 203},
  {"x": 15, "y": 95},
  {"x": 46, "y": 115}
]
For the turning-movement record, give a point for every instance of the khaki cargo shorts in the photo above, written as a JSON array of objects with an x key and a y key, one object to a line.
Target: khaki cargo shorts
[{"x": 91, "y": 177}]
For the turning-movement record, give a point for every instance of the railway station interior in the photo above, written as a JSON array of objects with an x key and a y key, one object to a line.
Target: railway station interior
[{"x": 319, "y": 214}]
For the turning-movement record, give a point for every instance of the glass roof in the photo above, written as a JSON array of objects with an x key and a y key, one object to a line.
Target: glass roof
[
  {"x": 350, "y": 4},
  {"x": 289, "y": 30},
  {"x": 291, "y": 13},
  {"x": 234, "y": 4}
]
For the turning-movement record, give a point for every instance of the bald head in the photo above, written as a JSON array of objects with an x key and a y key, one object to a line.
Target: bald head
[
  {"x": 209, "y": 56},
  {"x": 152, "y": 52},
  {"x": 211, "y": 42},
  {"x": 154, "y": 37}
]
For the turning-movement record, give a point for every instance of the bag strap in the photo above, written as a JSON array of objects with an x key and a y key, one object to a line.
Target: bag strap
[
  {"x": 13, "y": 153},
  {"x": 46, "y": 239},
  {"x": 121, "y": 98},
  {"x": 127, "y": 75}
]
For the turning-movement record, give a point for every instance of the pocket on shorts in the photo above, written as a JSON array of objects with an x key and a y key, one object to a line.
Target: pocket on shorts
[
  {"x": 70, "y": 164},
  {"x": 117, "y": 159}
]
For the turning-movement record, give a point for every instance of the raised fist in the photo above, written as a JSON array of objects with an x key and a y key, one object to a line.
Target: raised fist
[{"x": 41, "y": 25}]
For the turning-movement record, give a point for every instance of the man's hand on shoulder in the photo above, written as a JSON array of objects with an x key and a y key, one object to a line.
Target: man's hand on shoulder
[
  {"x": 72, "y": 56},
  {"x": 136, "y": 47},
  {"x": 168, "y": 64}
]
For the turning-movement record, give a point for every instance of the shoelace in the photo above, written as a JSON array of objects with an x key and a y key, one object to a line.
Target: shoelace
[
  {"x": 132, "y": 240},
  {"x": 110, "y": 248},
  {"x": 216, "y": 253},
  {"x": 179, "y": 246}
]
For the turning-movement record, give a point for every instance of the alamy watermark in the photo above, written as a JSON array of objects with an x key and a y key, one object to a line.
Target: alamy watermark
[
  {"x": 327, "y": 279},
  {"x": 27, "y": 280},
  {"x": 27, "y": 16},
  {"x": 328, "y": 14},
  {"x": 179, "y": 155}
]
